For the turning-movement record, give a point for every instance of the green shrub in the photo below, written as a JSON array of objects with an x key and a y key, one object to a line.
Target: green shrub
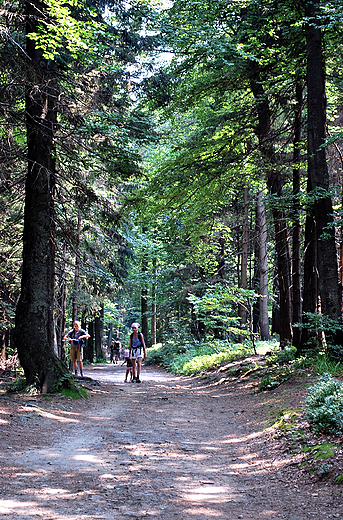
[
  {"x": 325, "y": 405},
  {"x": 155, "y": 355},
  {"x": 202, "y": 362},
  {"x": 281, "y": 357},
  {"x": 191, "y": 357},
  {"x": 18, "y": 385},
  {"x": 325, "y": 364}
]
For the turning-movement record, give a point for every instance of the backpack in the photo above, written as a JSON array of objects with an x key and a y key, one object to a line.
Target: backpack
[{"x": 140, "y": 337}]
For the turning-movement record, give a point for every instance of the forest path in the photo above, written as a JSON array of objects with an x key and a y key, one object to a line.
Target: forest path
[{"x": 171, "y": 447}]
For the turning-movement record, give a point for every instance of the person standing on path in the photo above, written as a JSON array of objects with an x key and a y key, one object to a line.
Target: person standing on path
[
  {"x": 117, "y": 347},
  {"x": 77, "y": 337},
  {"x": 137, "y": 347},
  {"x": 128, "y": 362}
]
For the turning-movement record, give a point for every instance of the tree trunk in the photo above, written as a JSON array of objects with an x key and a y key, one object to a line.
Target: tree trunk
[
  {"x": 3, "y": 346},
  {"x": 77, "y": 270},
  {"x": 263, "y": 271},
  {"x": 274, "y": 182},
  {"x": 276, "y": 304},
  {"x": 34, "y": 321},
  {"x": 61, "y": 299},
  {"x": 318, "y": 176},
  {"x": 144, "y": 314},
  {"x": 244, "y": 265},
  {"x": 88, "y": 351},
  {"x": 110, "y": 334},
  {"x": 296, "y": 256},
  {"x": 144, "y": 300},
  {"x": 153, "y": 306},
  {"x": 98, "y": 329}
]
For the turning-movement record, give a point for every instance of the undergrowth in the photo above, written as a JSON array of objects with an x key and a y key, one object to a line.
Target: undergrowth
[
  {"x": 191, "y": 358},
  {"x": 324, "y": 405}
]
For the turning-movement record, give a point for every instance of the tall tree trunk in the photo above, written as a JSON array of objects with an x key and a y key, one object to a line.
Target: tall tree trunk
[
  {"x": 263, "y": 261},
  {"x": 153, "y": 305},
  {"x": 318, "y": 176},
  {"x": 61, "y": 299},
  {"x": 144, "y": 300},
  {"x": 274, "y": 182},
  {"x": 98, "y": 328},
  {"x": 144, "y": 314},
  {"x": 110, "y": 334},
  {"x": 77, "y": 270},
  {"x": 296, "y": 250},
  {"x": 244, "y": 265},
  {"x": 88, "y": 350},
  {"x": 34, "y": 321},
  {"x": 3, "y": 345}
]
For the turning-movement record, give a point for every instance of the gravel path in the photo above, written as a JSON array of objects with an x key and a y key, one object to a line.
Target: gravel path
[{"x": 171, "y": 447}]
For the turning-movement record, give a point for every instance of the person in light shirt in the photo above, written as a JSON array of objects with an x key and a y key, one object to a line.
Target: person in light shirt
[{"x": 137, "y": 351}]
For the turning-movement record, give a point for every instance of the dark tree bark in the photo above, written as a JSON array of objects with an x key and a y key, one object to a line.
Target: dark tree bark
[
  {"x": 88, "y": 351},
  {"x": 144, "y": 315},
  {"x": 296, "y": 232},
  {"x": 153, "y": 305},
  {"x": 320, "y": 220},
  {"x": 144, "y": 302},
  {"x": 263, "y": 270},
  {"x": 274, "y": 182},
  {"x": 61, "y": 299},
  {"x": 34, "y": 322},
  {"x": 244, "y": 265},
  {"x": 98, "y": 329},
  {"x": 76, "y": 282},
  {"x": 276, "y": 303}
]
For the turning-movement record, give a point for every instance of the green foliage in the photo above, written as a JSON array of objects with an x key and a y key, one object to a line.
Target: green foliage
[
  {"x": 76, "y": 392},
  {"x": 286, "y": 420},
  {"x": 324, "y": 364},
  {"x": 318, "y": 325},
  {"x": 191, "y": 358},
  {"x": 268, "y": 382},
  {"x": 217, "y": 308},
  {"x": 321, "y": 451},
  {"x": 18, "y": 385},
  {"x": 338, "y": 479},
  {"x": 61, "y": 30},
  {"x": 281, "y": 357},
  {"x": 324, "y": 405},
  {"x": 67, "y": 387},
  {"x": 65, "y": 382}
]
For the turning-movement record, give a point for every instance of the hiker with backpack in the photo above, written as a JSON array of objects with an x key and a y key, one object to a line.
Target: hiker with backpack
[
  {"x": 137, "y": 350},
  {"x": 77, "y": 338}
]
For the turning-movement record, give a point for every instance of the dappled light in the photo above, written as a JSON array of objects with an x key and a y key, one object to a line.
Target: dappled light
[{"x": 185, "y": 449}]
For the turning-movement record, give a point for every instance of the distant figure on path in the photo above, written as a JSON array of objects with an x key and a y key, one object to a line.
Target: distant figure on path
[
  {"x": 77, "y": 337},
  {"x": 128, "y": 362},
  {"x": 105, "y": 351},
  {"x": 137, "y": 348},
  {"x": 117, "y": 347}
]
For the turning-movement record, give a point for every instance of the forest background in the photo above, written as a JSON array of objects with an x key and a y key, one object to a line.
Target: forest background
[{"x": 179, "y": 164}]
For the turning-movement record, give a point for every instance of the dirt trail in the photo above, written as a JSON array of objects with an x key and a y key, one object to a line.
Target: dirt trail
[{"x": 169, "y": 448}]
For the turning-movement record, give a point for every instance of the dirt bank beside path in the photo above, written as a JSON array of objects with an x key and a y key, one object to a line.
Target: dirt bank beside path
[{"x": 169, "y": 448}]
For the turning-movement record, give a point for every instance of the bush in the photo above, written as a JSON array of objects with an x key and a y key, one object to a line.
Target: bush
[
  {"x": 325, "y": 405},
  {"x": 191, "y": 357},
  {"x": 281, "y": 357}
]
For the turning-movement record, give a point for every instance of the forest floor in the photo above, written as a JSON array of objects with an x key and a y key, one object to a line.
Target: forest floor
[{"x": 171, "y": 447}]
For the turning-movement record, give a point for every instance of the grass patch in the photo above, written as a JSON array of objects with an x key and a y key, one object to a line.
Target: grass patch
[
  {"x": 192, "y": 358},
  {"x": 285, "y": 420},
  {"x": 338, "y": 479},
  {"x": 76, "y": 392},
  {"x": 323, "y": 364},
  {"x": 322, "y": 451}
]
